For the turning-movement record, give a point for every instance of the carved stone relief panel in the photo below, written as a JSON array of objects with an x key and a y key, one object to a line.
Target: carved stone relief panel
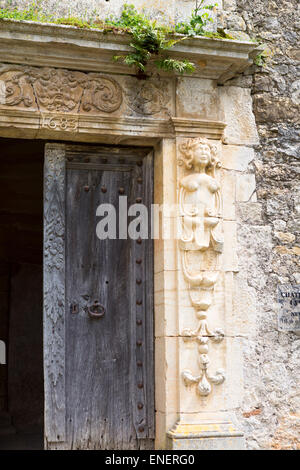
[
  {"x": 16, "y": 89},
  {"x": 101, "y": 94},
  {"x": 58, "y": 90},
  {"x": 201, "y": 243},
  {"x": 63, "y": 92},
  {"x": 151, "y": 97},
  {"x": 54, "y": 292}
]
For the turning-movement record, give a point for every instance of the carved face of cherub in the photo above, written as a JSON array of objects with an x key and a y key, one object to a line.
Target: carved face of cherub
[{"x": 202, "y": 155}]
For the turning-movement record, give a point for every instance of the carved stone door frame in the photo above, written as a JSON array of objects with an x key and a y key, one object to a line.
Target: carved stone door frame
[
  {"x": 169, "y": 287},
  {"x": 54, "y": 294},
  {"x": 133, "y": 112}
]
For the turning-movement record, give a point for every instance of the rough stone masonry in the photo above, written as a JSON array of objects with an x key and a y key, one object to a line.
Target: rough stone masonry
[{"x": 270, "y": 222}]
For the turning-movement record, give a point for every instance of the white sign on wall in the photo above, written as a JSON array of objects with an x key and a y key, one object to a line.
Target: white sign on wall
[{"x": 289, "y": 307}]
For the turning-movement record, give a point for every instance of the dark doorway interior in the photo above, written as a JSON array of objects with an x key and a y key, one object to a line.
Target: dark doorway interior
[{"x": 21, "y": 238}]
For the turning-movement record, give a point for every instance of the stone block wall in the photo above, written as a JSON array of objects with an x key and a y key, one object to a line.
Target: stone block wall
[{"x": 269, "y": 221}]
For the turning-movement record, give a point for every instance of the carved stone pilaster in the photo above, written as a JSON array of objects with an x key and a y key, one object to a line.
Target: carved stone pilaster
[
  {"x": 204, "y": 421},
  {"x": 200, "y": 214}
]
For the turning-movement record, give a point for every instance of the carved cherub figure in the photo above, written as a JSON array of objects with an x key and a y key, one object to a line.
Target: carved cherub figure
[{"x": 199, "y": 199}]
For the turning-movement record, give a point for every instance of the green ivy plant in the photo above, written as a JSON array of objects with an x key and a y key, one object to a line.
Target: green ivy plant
[
  {"x": 151, "y": 40},
  {"x": 264, "y": 56}
]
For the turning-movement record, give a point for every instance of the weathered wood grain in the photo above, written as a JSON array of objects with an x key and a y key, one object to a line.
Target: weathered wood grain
[
  {"x": 102, "y": 376},
  {"x": 99, "y": 379}
]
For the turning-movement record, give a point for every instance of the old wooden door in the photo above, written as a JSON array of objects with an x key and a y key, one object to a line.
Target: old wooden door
[{"x": 98, "y": 318}]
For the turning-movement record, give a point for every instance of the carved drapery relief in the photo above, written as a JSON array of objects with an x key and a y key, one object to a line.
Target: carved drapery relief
[
  {"x": 201, "y": 243},
  {"x": 59, "y": 91}
]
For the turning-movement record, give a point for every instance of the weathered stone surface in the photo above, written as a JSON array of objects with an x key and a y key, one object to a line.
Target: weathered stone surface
[
  {"x": 207, "y": 436},
  {"x": 237, "y": 106},
  {"x": 268, "y": 255},
  {"x": 274, "y": 109},
  {"x": 245, "y": 187},
  {"x": 251, "y": 213},
  {"x": 197, "y": 98},
  {"x": 229, "y": 5},
  {"x": 285, "y": 237},
  {"x": 236, "y": 157}
]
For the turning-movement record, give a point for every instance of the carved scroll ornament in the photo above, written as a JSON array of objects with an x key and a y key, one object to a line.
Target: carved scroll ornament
[
  {"x": 200, "y": 213},
  {"x": 60, "y": 91}
]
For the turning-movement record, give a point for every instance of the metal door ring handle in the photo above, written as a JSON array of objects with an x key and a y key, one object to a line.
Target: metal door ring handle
[{"x": 96, "y": 310}]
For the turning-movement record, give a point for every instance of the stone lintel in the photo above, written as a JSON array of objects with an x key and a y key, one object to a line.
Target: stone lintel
[
  {"x": 102, "y": 129},
  {"x": 70, "y": 47}
]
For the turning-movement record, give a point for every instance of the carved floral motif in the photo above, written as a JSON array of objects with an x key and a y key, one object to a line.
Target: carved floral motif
[
  {"x": 200, "y": 213},
  {"x": 61, "y": 91},
  {"x": 54, "y": 260},
  {"x": 16, "y": 88},
  {"x": 202, "y": 336},
  {"x": 54, "y": 291}
]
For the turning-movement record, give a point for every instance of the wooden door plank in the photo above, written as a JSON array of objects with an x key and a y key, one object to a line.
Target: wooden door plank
[
  {"x": 98, "y": 369},
  {"x": 91, "y": 392}
]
